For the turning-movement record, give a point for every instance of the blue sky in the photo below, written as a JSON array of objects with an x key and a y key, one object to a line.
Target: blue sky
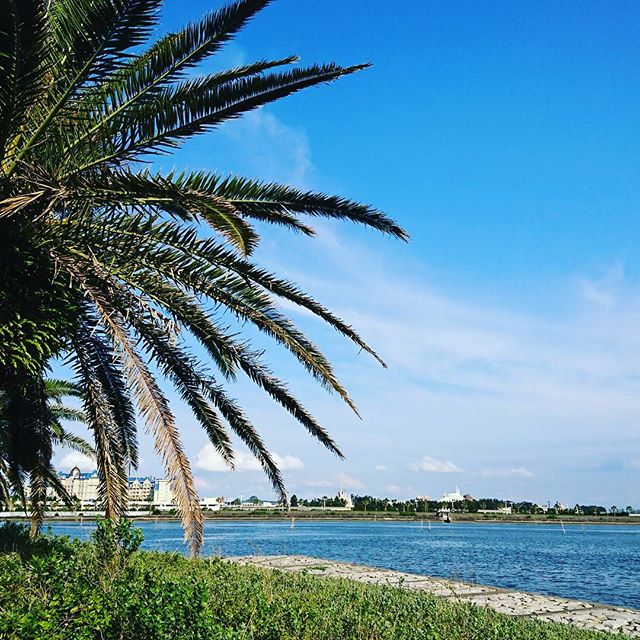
[{"x": 505, "y": 138}]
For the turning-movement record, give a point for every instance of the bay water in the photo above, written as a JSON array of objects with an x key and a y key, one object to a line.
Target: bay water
[{"x": 600, "y": 563}]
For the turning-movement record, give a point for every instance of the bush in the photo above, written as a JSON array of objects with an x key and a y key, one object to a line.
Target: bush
[{"x": 56, "y": 589}]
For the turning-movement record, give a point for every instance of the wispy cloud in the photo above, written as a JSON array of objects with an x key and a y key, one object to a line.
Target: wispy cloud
[
  {"x": 380, "y": 467},
  {"x": 201, "y": 483},
  {"x": 587, "y": 355},
  {"x": 208, "y": 459},
  {"x": 397, "y": 489},
  {"x": 603, "y": 292},
  {"x": 343, "y": 480},
  {"x": 272, "y": 149},
  {"x": 431, "y": 465},
  {"x": 521, "y": 472}
]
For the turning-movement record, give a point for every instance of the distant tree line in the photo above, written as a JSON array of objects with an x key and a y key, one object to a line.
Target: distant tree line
[
  {"x": 368, "y": 503},
  {"x": 325, "y": 501}
]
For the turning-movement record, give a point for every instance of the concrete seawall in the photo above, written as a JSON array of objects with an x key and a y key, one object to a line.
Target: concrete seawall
[{"x": 586, "y": 615}]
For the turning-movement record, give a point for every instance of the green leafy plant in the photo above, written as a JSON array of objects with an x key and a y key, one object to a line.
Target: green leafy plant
[
  {"x": 115, "y": 541},
  {"x": 108, "y": 264}
]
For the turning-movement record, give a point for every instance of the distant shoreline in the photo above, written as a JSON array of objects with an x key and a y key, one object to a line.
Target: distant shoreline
[{"x": 360, "y": 516}]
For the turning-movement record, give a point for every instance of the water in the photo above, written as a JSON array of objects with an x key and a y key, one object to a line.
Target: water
[{"x": 599, "y": 563}]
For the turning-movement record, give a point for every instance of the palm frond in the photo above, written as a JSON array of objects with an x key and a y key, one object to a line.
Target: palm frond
[
  {"x": 265, "y": 201},
  {"x": 88, "y": 35},
  {"x": 177, "y": 113},
  {"x": 93, "y": 34},
  {"x": 167, "y": 59},
  {"x": 62, "y": 412},
  {"x": 67, "y": 439},
  {"x": 114, "y": 387},
  {"x": 111, "y": 459},
  {"x": 23, "y": 58},
  {"x": 145, "y": 190},
  {"x": 33, "y": 407},
  {"x": 55, "y": 389},
  {"x": 153, "y": 407}
]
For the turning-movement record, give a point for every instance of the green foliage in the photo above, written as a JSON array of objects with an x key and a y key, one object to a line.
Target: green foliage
[
  {"x": 62, "y": 594},
  {"x": 36, "y": 310},
  {"x": 115, "y": 541},
  {"x": 16, "y": 538}
]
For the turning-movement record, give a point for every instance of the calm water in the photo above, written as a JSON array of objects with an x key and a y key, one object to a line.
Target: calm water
[{"x": 598, "y": 562}]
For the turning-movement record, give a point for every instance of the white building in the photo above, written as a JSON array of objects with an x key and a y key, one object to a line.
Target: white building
[
  {"x": 456, "y": 496},
  {"x": 83, "y": 486},
  {"x": 142, "y": 490},
  {"x": 212, "y": 504},
  {"x": 342, "y": 495},
  {"x": 163, "y": 495}
]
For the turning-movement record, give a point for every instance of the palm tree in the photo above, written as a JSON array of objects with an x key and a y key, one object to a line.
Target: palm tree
[
  {"x": 12, "y": 477},
  {"x": 108, "y": 264}
]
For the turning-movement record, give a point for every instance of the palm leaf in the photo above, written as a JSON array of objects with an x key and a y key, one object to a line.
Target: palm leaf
[
  {"x": 176, "y": 113},
  {"x": 23, "y": 42}
]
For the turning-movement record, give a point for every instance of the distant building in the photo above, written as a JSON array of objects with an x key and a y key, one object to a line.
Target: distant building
[
  {"x": 468, "y": 497},
  {"x": 456, "y": 496},
  {"x": 500, "y": 510},
  {"x": 212, "y": 504},
  {"x": 79, "y": 485},
  {"x": 348, "y": 503},
  {"x": 142, "y": 490},
  {"x": 163, "y": 495}
]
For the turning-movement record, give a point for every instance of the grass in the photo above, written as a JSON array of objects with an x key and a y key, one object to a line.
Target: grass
[{"x": 63, "y": 590}]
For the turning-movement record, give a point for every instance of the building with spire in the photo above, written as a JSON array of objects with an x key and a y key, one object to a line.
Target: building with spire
[
  {"x": 342, "y": 495},
  {"x": 455, "y": 496}
]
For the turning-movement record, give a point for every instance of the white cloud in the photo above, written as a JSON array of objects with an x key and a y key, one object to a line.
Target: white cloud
[
  {"x": 521, "y": 472},
  {"x": 201, "y": 483},
  {"x": 605, "y": 291},
  {"x": 320, "y": 483},
  {"x": 209, "y": 459},
  {"x": 349, "y": 482},
  {"x": 287, "y": 462},
  {"x": 76, "y": 459},
  {"x": 340, "y": 480},
  {"x": 399, "y": 489},
  {"x": 275, "y": 150},
  {"x": 431, "y": 465},
  {"x": 380, "y": 467}
]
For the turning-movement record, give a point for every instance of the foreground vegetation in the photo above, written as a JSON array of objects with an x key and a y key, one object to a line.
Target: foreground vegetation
[{"x": 60, "y": 589}]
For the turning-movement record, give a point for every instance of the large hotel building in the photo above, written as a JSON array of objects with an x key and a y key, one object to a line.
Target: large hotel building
[{"x": 144, "y": 491}]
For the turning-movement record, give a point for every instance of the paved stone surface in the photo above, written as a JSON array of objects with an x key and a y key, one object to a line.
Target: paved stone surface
[{"x": 582, "y": 614}]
